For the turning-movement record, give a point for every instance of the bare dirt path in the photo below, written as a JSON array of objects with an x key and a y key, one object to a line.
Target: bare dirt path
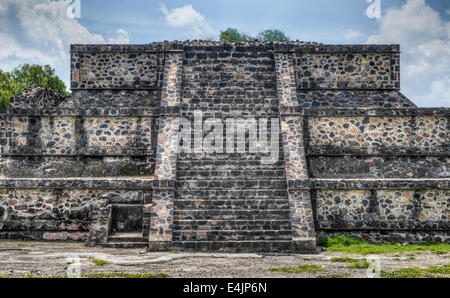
[{"x": 18, "y": 259}]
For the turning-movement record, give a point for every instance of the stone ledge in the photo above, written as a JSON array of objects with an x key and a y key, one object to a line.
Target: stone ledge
[
  {"x": 32, "y": 235},
  {"x": 369, "y": 48},
  {"x": 47, "y": 225},
  {"x": 154, "y": 87},
  {"x": 113, "y": 48},
  {"x": 77, "y": 112},
  {"x": 371, "y": 151},
  {"x": 359, "y": 112},
  {"x": 390, "y": 183},
  {"x": 114, "y": 183},
  {"x": 279, "y": 47},
  {"x": 384, "y": 225},
  {"x": 89, "y": 151}
]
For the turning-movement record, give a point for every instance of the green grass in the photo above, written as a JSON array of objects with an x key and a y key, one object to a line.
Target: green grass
[
  {"x": 416, "y": 272},
  {"x": 344, "y": 260},
  {"x": 345, "y": 275},
  {"x": 100, "y": 263},
  {"x": 359, "y": 265},
  {"x": 356, "y": 245},
  {"x": 445, "y": 269},
  {"x": 356, "y": 264},
  {"x": 299, "y": 269}
]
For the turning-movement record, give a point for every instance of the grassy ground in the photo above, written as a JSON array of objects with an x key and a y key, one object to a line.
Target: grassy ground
[
  {"x": 342, "y": 243},
  {"x": 359, "y": 246},
  {"x": 416, "y": 272},
  {"x": 344, "y": 257}
]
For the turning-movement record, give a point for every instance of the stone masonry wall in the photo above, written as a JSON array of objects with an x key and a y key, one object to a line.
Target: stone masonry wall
[
  {"x": 59, "y": 210},
  {"x": 347, "y": 67},
  {"x": 357, "y": 156}
]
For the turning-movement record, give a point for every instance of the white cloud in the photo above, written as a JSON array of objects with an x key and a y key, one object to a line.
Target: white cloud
[
  {"x": 352, "y": 34},
  {"x": 188, "y": 18},
  {"x": 121, "y": 37},
  {"x": 39, "y": 32},
  {"x": 425, "y": 43}
]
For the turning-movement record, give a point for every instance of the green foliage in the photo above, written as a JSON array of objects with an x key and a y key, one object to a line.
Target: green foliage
[
  {"x": 359, "y": 246},
  {"x": 416, "y": 272},
  {"x": 274, "y": 34},
  {"x": 344, "y": 260},
  {"x": 28, "y": 76},
  {"x": 100, "y": 263},
  {"x": 339, "y": 240},
  {"x": 299, "y": 269},
  {"x": 359, "y": 265},
  {"x": 232, "y": 34},
  {"x": 356, "y": 264},
  {"x": 8, "y": 88}
]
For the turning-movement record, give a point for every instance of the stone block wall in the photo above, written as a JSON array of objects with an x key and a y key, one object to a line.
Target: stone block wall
[
  {"x": 379, "y": 174},
  {"x": 116, "y": 67},
  {"x": 62, "y": 209},
  {"x": 52, "y": 145},
  {"x": 356, "y": 156},
  {"x": 340, "y": 68}
]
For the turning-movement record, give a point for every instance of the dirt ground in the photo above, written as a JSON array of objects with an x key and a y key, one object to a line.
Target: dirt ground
[{"x": 72, "y": 259}]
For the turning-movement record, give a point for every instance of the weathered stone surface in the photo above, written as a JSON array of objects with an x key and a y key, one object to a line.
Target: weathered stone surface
[
  {"x": 347, "y": 70},
  {"x": 355, "y": 155},
  {"x": 37, "y": 98}
]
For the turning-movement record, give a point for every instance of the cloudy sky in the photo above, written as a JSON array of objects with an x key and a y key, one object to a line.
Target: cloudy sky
[{"x": 40, "y": 31}]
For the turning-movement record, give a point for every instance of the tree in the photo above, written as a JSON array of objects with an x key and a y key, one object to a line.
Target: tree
[
  {"x": 232, "y": 34},
  {"x": 8, "y": 88},
  {"x": 272, "y": 35},
  {"x": 29, "y": 76}
]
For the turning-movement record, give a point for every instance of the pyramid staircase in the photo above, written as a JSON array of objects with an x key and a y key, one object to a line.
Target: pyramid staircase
[{"x": 231, "y": 202}]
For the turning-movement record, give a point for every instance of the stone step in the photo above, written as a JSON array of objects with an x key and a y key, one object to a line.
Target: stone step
[
  {"x": 261, "y": 246},
  {"x": 206, "y": 204},
  {"x": 124, "y": 244},
  {"x": 242, "y": 224},
  {"x": 222, "y": 85},
  {"x": 126, "y": 237},
  {"x": 218, "y": 214},
  {"x": 231, "y": 184},
  {"x": 232, "y": 194},
  {"x": 227, "y": 94},
  {"x": 231, "y": 235},
  {"x": 230, "y": 174},
  {"x": 271, "y": 101},
  {"x": 227, "y": 165},
  {"x": 234, "y": 111},
  {"x": 191, "y": 105},
  {"x": 230, "y": 157},
  {"x": 228, "y": 68}
]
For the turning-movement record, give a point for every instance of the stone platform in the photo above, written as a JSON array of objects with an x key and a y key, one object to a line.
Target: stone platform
[{"x": 350, "y": 153}]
